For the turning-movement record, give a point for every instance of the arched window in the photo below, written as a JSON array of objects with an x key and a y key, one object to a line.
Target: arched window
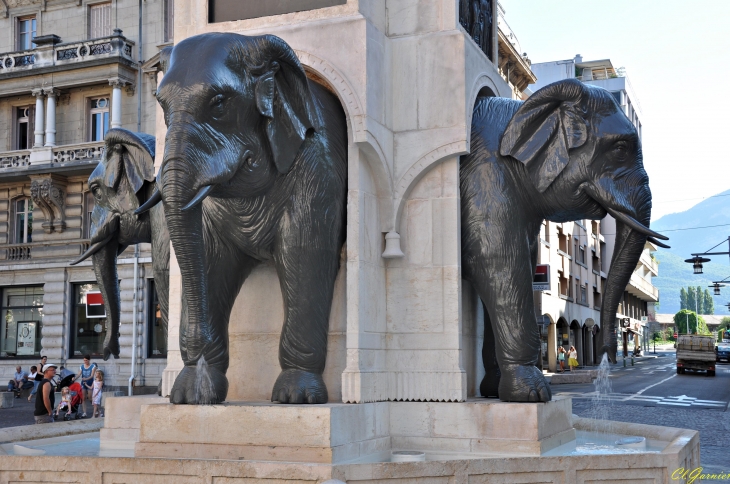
[{"x": 23, "y": 220}]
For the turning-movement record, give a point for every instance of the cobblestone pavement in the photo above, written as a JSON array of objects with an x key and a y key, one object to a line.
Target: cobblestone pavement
[
  {"x": 713, "y": 425},
  {"x": 21, "y": 414}
]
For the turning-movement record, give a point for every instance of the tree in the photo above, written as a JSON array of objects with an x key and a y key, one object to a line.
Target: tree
[
  {"x": 708, "y": 304},
  {"x": 724, "y": 326},
  {"x": 682, "y": 299},
  {"x": 698, "y": 295},
  {"x": 686, "y": 317},
  {"x": 690, "y": 299}
]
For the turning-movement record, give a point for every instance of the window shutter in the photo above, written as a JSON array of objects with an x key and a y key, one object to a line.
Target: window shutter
[{"x": 100, "y": 20}]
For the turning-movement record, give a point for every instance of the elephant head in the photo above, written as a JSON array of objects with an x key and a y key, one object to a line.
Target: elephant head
[
  {"x": 584, "y": 158},
  {"x": 119, "y": 184},
  {"x": 236, "y": 121}
]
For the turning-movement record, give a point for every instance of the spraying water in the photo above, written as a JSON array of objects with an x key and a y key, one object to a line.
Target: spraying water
[
  {"x": 204, "y": 392},
  {"x": 601, "y": 406}
]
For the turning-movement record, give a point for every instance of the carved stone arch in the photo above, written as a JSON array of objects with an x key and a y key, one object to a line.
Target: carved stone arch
[
  {"x": 482, "y": 84},
  {"x": 321, "y": 70},
  {"x": 418, "y": 170}
]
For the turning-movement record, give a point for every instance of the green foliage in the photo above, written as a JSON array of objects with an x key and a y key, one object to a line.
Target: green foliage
[
  {"x": 724, "y": 326},
  {"x": 691, "y": 299},
  {"x": 708, "y": 305},
  {"x": 683, "y": 298},
  {"x": 686, "y": 317}
]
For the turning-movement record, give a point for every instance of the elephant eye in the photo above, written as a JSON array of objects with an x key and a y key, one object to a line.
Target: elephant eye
[
  {"x": 96, "y": 191},
  {"x": 217, "y": 104},
  {"x": 621, "y": 150}
]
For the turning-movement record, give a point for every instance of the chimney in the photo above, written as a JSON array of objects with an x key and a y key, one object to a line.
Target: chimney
[{"x": 578, "y": 58}]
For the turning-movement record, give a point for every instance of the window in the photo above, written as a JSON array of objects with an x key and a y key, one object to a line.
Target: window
[
  {"x": 583, "y": 295},
  {"x": 582, "y": 254},
  {"x": 24, "y": 128},
  {"x": 157, "y": 333},
  {"x": 99, "y": 118},
  {"x": 100, "y": 20},
  {"x": 22, "y": 320},
  {"x": 169, "y": 19},
  {"x": 88, "y": 325},
  {"x": 23, "y": 221},
  {"x": 89, "y": 205},
  {"x": 26, "y": 33}
]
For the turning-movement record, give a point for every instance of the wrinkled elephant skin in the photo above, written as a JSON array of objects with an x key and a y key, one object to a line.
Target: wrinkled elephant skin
[
  {"x": 254, "y": 170},
  {"x": 567, "y": 153}
]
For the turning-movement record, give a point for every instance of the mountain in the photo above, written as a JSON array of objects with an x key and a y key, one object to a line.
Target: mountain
[{"x": 713, "y": 214}]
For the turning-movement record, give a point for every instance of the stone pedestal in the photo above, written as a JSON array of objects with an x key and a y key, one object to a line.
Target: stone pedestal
[
  {"x": 121, "y": 420},
  {"x": 336, "y": 433}
]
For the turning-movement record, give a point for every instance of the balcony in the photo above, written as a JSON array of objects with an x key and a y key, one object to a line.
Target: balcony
[
  {"x": 67, "y": 158},
  {"x": 49, "y": 53},
  {"x": 643, "y": 289},
  {"x": 64, "y": 59},
  {"x": 23, "y": 253}
]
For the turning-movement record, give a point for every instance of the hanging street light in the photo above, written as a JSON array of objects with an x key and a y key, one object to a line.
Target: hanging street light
[
  {"x": 716, "y": 286},
  {"x": 697, "y": 262}
]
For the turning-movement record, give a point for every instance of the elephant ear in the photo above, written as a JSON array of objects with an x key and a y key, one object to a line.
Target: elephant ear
[
  {"x": 545, "y": 128},
  {"x": 131, "y": 153},
  {"x": 284, "y": 99}
]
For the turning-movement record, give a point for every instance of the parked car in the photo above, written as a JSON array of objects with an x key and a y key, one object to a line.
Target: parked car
[{"x": 722, "y": 352}]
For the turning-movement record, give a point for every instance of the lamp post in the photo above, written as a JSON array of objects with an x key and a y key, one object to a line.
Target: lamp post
[{"x": 697, "y": 260}]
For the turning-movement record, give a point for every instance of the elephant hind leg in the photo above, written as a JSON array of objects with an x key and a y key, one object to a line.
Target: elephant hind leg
[{"x": 489, "y": 386}]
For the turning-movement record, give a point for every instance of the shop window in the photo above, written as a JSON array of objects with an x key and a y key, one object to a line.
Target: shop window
[
  {"x": 23, "y": 221},
  {"x": 26, "y": 32},
  {"x": 24, "y": 128},
  {"x": 100, "y": 20},
  {"x": 22, "y": 321},
  {"x": 99, "y": 118},
  {"x": 157, "y": 333},
  {"x": 88, "y": 321}
]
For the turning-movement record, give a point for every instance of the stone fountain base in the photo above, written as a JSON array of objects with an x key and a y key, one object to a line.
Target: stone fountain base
[{"x": 479, "y": 441}]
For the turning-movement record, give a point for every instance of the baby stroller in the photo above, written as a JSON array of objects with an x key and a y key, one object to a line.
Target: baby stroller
[{"x": 76, "y": 394}]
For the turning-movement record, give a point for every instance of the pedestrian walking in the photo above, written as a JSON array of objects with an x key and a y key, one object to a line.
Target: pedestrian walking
[
  {"x": 561, "y": 358},
  {"x": 573, "y": 358},
  {"x": 86, "y": 372}
]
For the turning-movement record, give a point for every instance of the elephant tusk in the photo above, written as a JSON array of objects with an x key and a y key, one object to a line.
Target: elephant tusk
[
  {"x": 92, "y": 250},
  {"x": 153, "y": 200},
  {"x": 202, "y": 193},
  {"x": 634, "y": 224},
  {"x": 657, "y": 243}
]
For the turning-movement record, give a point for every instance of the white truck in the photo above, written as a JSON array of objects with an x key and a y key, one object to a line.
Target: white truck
[{"x": 696, "y": 352}]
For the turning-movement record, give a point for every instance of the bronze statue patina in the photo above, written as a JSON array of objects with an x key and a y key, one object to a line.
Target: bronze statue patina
[{"x": 567, "y": 153}]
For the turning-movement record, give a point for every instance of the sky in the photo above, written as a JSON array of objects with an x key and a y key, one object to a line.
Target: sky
[{"x": 676, "y": 55}]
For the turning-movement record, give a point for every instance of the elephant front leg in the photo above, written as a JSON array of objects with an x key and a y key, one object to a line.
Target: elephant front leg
[
  {"x": 203, "y": 379},
  {"x": 503, "y": 279},
  {"x": 307, "y": 277}
]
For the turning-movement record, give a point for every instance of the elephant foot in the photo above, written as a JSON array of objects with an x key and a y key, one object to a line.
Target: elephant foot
[
  {"x": 299, "y": 386},
  {"x": 111, "y": 346},
  {"x": 199, "y": 385},
  {"x": 523, "y": 383},
  {"x": 489, "y": 387}
]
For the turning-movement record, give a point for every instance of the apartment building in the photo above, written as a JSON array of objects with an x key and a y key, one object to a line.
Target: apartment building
[
  {"x": 69, "y": 71},
  {"x": 581, "y": 254}
]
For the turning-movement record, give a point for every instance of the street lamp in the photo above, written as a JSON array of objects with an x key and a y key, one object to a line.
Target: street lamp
[
  {"x": 697, "y": 260},
  {"x": 716, "y": 286}
]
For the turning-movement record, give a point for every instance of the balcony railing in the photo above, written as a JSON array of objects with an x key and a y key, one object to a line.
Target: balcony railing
[
  {"x": 43, "y": 250},
  {"x": 79, "y": 153},
  {"x": 114, "y": 46},
  {"x": 644, "y": 286}
]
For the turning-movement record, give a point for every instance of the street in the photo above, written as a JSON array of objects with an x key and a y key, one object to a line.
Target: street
[{"x": 651, "y": 392}]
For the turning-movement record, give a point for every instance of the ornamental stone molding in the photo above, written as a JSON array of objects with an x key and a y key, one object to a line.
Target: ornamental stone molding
[{"x": 49, "y": 194}]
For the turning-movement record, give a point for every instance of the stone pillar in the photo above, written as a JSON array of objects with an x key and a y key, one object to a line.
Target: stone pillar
[
  {"x": 117, "y": 85},
  {"x": 51, "y": 116},
  {"x": 53, "y": 343},
  {"x": 39, "y": 118},
  {"x": 174, "y": 358},
  {"x": 552, "y": 347}
]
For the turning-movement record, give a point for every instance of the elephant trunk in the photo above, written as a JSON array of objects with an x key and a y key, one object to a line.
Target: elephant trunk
[
  {"x": 185, "y": 226},
  {"x": 105, "y": 268},
  {"x": 629, "y": 244}
]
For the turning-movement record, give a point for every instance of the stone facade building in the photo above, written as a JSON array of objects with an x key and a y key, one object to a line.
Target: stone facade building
[
  {"x": 579, "y": 253},
  {"x": 69, "y": 71}
]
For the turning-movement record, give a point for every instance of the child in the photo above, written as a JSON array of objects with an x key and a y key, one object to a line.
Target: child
[
  {"x": 96, "y": 395},
  {"x": 65, "y": 403}
]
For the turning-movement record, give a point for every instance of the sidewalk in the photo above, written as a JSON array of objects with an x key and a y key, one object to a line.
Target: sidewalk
[{"x": 22, "y": 413}]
